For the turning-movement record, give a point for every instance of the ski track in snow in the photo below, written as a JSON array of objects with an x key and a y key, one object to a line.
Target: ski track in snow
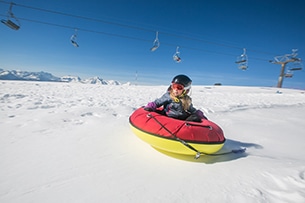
[{"x": 69, "y": 142}]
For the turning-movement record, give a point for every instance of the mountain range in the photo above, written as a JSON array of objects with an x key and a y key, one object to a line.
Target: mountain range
[{"x": 44, "y": 76}]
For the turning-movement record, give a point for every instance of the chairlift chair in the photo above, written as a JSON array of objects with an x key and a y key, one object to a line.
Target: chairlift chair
[
  {"x": 242, "y": 61},
  {"x": 293, "y": 69},
  {"x": 15, "y": 24},
  {"x": 297, "y": 65},
  {"x": 243, "y": 67},
  {"x": 156, "y": 43},
  {"x": 176, "y": 56},
  {"x": 73, "y": 39},
  {"x": 289, "y": 74}
]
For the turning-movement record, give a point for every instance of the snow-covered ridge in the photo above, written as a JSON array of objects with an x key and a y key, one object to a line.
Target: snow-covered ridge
[{"x": 44, "y": 76}]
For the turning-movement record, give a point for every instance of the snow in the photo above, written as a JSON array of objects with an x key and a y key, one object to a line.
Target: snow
[{"x": 71, "y": 142}]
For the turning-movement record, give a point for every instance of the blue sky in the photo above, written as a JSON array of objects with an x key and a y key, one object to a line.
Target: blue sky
[{"x": 115, "y": 36}]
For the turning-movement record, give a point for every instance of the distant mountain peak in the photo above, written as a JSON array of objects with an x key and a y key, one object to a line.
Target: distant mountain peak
[
  {"x": 70, "y": 78},
  {"x": 45, "y": 76}
]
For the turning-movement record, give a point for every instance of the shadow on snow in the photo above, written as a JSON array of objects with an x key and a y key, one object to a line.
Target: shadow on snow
[{"x": 229, "y": 145}]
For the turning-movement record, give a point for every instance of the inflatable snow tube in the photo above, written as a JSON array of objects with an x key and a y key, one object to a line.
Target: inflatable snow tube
[{"x": 176, "y": 136}]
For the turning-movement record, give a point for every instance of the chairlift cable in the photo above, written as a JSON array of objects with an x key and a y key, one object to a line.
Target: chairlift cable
[
  {"x": 132, "y": 38},
  {"x": 82, "y": 29},
  {"x": 131, "y": 27},
  {"x": 81, "y": 17},
  {"x": 123, "y": 25}
]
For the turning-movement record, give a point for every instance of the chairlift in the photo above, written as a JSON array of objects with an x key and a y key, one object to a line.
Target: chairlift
[
  {"x": 297, "y": 65},
  {"x": 156, "y": 43},
  {"x": 73, "y": 39},
  {"x": 11, "y": 21},
  {"x": 293, "y": 69},
  {"x": 289, "y": 74},
  {"x": 242, "y": 61},
  {"x": 176, "y": 56}
]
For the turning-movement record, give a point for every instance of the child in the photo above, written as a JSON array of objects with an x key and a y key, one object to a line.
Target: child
[{"x": 176, "y": 103}]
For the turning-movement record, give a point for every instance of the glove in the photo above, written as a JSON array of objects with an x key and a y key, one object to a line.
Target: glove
[
  {"x": 193, "y": 117},
  {"x": 151, "y": 106},
  {"x": 200, "y": 114}
]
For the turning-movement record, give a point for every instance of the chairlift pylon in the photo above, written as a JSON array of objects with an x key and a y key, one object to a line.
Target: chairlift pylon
[
  {"x": 13, "y": 24},
  {"x": 156, "y": 43},
  {"x": 242, "y": 61},
  {"x": 176, "y": 56},
  {"x": 73, "y": 39}
]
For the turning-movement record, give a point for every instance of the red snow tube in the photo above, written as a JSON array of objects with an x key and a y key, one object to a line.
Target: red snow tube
[{"x": 167, "y": 133}]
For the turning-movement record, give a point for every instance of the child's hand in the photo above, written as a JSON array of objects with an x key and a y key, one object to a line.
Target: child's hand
[
  {"x": 200, "y": 114},
  {"x": 151, "y": 106}
]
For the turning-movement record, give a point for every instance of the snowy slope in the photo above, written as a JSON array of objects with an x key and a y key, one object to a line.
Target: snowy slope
[{"x": 71, "y": 142}]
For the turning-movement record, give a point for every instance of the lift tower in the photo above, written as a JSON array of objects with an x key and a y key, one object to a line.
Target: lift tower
[{"x": 283, "y": 60}]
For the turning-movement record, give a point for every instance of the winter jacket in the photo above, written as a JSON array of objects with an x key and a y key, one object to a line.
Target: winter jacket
[{"x": 172, "y": 108}]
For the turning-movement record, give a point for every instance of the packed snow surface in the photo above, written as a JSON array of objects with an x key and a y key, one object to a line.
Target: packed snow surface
[{"x": 71, "y": 142}]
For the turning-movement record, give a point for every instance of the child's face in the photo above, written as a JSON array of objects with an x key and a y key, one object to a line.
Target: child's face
[
  {"x": 177, "y": 89},
  {"x": 177, "y": 92}
]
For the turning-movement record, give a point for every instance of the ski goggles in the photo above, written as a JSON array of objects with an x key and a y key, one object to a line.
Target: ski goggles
[{"x": 177, "y": 86}]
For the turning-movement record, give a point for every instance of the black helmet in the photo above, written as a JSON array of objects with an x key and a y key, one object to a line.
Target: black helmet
[{"x": 183, "y": 80}]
